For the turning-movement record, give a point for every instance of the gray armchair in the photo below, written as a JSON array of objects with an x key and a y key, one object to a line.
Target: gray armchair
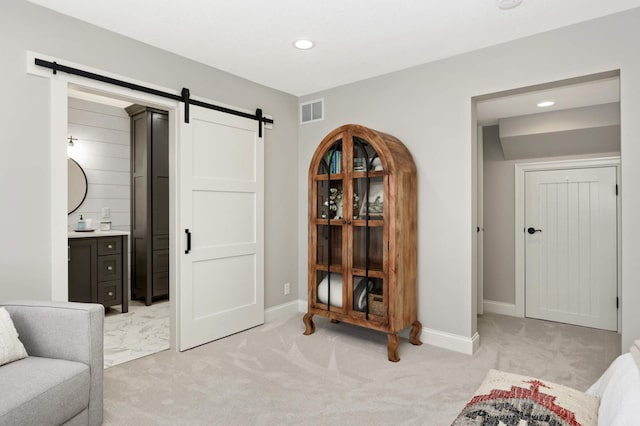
[{"x": 60, "y": 382}]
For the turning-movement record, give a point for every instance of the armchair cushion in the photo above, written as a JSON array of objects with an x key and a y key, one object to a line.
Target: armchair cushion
[
  {"x": 11, "y": 348},
  {"x": 43, "y": 391}
]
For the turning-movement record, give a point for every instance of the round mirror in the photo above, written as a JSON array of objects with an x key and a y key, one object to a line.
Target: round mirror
[{"x": 77, "y": 182}]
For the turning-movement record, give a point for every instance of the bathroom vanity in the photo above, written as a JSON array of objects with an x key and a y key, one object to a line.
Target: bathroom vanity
[{"x": 98, "y": 267}]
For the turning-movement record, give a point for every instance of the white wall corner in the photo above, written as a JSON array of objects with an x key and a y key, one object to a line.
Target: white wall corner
[
  {"x": 452, "y": 342},
  {"x": 501, "y": 308},
  {"x": 59, "y": 174},
  {"x": 283, "y": 310}
]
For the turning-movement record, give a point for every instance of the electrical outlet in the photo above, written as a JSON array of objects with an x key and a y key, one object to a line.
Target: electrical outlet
[
  {"x": 287, "y": 288},
  {"x": 106, "y": 212}
]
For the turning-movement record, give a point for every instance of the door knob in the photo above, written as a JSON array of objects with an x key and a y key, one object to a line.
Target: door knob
[{"x": 533, "y": 230}]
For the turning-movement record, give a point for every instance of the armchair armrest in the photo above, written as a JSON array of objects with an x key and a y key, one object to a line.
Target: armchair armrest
[{"x": 65, "y": 330}]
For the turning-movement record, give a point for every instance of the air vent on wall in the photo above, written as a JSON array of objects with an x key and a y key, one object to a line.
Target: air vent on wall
[{"x": 312, "y": 111}]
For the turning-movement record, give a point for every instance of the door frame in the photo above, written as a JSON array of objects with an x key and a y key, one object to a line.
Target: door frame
[
  {"x": 480, "y": 220},
  {"x": 520, "y": 170},
  {"x": 59, "y": 85}
]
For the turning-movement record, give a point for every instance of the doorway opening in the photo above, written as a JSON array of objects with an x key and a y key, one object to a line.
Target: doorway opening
[
  {"x": 126, "y": 199},
  {"x": 583, "y": 124}
]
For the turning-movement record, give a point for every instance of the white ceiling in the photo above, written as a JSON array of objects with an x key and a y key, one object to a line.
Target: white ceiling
[
  {"x": 355, "y": 39},
  {"x": 596, "y": 92}
]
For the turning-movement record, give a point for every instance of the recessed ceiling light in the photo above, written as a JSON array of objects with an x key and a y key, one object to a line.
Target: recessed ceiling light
[
  {"x": 303, "y": 44},
  {"x": 508, "y": 4},
  {"x": 545, "y": 104}
]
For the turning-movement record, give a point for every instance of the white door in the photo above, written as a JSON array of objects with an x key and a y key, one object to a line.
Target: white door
[
  {"x": 571, "y": 246},
  {"x": 221, "y": 289}
]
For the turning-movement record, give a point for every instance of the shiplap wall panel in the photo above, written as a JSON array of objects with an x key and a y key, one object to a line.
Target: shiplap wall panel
[
  {"x": 97, "y": 134},
  {"x": 116, "y": 205},
  {"x": 102, "y": 119},
  {"x": 91, "y": 162},
  {"x": 103, "y": 151},
  {"x": 114, "y": 177}
]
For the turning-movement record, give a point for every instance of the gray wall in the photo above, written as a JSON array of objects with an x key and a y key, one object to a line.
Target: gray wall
[
  {"x": 25, "y": 162},
  {"x": 499, "y": 220},
  {"x": 430, "y": 108},
  {"x": 499, "y": 216}
]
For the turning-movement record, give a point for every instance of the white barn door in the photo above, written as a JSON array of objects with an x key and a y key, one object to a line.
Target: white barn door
[
  {"x": 221, "y": 288},
  {"x": 571, "y": 246}
]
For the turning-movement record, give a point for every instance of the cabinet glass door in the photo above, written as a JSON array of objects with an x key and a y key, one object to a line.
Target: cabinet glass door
[
  {"x": 368, "y": 233},
  {"x": 330, "y": 236}
]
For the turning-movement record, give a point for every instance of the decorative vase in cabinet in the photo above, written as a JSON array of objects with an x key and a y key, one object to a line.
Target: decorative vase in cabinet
[{"x": 363, "y": 234}]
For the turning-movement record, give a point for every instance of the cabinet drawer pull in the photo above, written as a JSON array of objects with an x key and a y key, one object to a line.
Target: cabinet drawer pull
[
  {"x": 110, "y": 293},
  {"x": 110, "y": 268},
  {"x": 109, "y": 246}
]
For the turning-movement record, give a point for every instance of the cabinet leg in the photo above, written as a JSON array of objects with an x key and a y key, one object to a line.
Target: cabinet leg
[
  {"x": 392, "y": 347},
  {"x": 308, "y": 322},
  {"x": 414, "y": 336}
]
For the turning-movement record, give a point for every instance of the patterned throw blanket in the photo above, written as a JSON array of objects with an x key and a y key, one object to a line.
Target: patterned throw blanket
[{"x": 513, "y": 400}]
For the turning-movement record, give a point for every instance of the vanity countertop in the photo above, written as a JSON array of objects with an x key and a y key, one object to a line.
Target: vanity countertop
[{"x": 96, "y": 233}]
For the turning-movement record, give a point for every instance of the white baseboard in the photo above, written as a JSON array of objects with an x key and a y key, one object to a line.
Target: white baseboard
[
  {"x": 283, "y": 310},
  {"x": 452, "y": 342},
  {"x": 493, "y": 307}
]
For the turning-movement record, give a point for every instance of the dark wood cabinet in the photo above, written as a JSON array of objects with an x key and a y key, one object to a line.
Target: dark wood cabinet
[
  {"x": 149, "y": 203},
  {"x": 98, "y": 270},
  {"x": 83, "y": 266}
]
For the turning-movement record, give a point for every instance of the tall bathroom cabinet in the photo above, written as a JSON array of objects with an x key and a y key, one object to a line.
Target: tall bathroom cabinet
[{"x": 149, "y": 203}]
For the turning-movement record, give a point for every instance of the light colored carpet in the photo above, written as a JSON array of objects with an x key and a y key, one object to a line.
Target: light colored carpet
[
  {"x": 142, "y": 331},
  {"x": 273, "y": 375}
]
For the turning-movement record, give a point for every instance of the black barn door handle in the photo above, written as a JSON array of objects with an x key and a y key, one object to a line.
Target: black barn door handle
[{"x": 186, "y": 231}]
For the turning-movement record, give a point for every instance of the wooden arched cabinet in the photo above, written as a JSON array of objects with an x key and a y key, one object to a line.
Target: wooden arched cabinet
[{"x": 363, "y": 233}]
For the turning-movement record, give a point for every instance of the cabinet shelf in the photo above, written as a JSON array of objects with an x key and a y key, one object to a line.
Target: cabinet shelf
[
  {"x": 337, "y": 268},
  {"x": 333, "y": 176},
  {"x": 323, "y": 221},
  {"x": 372, "y": 260},
  {"x": 374, "y": 272},
  {"x": 355, "y": 175},
  {"x": 372, "y": 174},
  {"x": 373, "y": 223}
]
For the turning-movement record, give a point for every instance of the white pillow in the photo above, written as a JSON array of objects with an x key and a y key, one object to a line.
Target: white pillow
[
  {"x": 11, "y": 348},
  {"x": 619, "y": 392}
]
